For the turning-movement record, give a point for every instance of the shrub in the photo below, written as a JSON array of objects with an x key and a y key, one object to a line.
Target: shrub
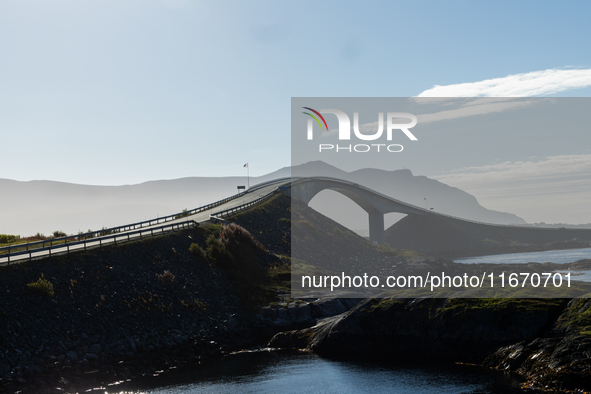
[
  {"x": 42, "y": 287},
  {"x": 235, "y": 237},
  {"x": 197, "y": 251},
  {"x": 238, "y": 253},
  {"x": 234, "y": 248},
  {"x": 243, "y": 259},
  {"x": 104, "y": 231},
  {"x": 217, "y": 252},
  {"x": 57, "y": 234},
  {"x": 7, "y": 238},
  {"x": 167, "y": 276},
  {"x": 184, "y": 214}
]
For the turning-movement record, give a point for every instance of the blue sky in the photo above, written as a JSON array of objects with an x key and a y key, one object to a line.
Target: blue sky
[{"x": 121, "y": 92}]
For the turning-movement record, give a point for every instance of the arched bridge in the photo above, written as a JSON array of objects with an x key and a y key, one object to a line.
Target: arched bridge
[{"x": 372, "y": 202}]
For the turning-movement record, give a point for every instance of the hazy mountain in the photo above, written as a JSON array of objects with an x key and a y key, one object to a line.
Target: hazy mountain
[
  {"x": 402, "y": 185},
  {"x": 44, "y": 206}
]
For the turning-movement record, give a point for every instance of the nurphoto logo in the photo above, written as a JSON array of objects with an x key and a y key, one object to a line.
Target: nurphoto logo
[{"x": 344, "y": 131}]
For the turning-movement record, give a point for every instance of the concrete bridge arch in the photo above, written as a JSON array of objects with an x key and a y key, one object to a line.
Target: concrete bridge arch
[{"x": 375, "y": 204}]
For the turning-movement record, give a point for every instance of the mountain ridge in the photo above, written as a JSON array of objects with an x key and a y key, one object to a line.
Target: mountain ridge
[{"x": 28, "y": 207}]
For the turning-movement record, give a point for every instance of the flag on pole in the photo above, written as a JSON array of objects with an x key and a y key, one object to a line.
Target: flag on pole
[{"x": 246, "y": 165}]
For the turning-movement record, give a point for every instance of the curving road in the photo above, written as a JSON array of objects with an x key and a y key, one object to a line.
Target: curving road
[
  {"x": 304, "y": 189},
  {"x": 253, "y": 194}
]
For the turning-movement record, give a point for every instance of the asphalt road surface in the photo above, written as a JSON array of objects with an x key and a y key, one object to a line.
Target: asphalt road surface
[{"x": 251, "y": 195}]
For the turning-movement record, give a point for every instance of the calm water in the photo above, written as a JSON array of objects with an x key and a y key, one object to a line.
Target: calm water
[
  {"x": 553, "y": 256},
  {"x": 280, "y": 372}
]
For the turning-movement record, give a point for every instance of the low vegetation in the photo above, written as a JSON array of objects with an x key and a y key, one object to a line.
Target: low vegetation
[
  {"x": 198, "y": 251},
  {"x": 42, "y": 287},
  {"x": 256, "y": 274},
  {"x": 166, "y": 277},
  {"x": 578, "y": 316},
  {"x": 8, "y": 239},
  {"x": 183, "y": 214},
  {"x": 501, "y": 304}
]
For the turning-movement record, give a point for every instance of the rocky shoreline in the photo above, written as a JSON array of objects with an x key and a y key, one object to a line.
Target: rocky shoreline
[
  {"x": 540, "y": 340},
  {"x": 138, "y": 309}
]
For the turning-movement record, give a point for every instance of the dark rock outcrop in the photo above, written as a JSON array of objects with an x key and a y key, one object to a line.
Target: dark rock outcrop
[
  {"x": 535, "y": 338},
  {"x": 433, "y": 328},
  {"x": 560, "y": 360},
  {"x": 302, "y": 313}
]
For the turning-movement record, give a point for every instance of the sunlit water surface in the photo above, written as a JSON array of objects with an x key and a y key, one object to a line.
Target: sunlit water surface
[
  {"x": 280, "y": 372},
  {"x": 553, "y": 256}
]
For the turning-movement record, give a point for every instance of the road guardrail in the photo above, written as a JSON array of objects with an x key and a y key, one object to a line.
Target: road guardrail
[{"x": 85, "y": 244}]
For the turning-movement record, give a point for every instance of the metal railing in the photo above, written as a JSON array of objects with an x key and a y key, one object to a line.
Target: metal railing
[
  {"x": 229, "y": 211},
  {"x": 263, "y": 184},
  {"x": 119, "y": 229},
  {"x": 82, "y": 241},
  {"x": 66, "y": 242},
  {"x": 133, "y": 226},
  {"x": 87, "y": 243}
]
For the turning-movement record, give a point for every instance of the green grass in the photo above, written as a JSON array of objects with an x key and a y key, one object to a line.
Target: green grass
[
  {"x": 6, "y": 239},
  {"x": 198, "y": 251},
  {"x": 500, "y": 304},
  {"x": 42, "y": 287},
  {"x": 577, "y": 316},
  {"x": 384, "y": 304},
  {"x": 389, "y": 251}
]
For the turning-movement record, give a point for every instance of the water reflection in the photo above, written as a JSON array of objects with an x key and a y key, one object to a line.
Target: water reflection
[
  {"x": 553, "y": 256},
  {"x": 304, "y": 373}
]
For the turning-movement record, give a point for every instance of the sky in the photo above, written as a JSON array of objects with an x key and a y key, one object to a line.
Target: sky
[{"x": 122, "y": 92}]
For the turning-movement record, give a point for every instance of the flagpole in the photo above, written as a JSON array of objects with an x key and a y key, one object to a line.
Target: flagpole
[{"x": 247, "y": 175}]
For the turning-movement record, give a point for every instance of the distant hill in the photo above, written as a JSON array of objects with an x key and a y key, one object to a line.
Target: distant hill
[{"x": 45, "y": 206}]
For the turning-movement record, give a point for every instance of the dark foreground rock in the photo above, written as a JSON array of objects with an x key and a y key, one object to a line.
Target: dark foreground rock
[
  {"x": 303, "y": 313},
  {"x": 523, "y": 336},
  {"x": 116, "y": 314},
  {"x": 560, "y": 360}
]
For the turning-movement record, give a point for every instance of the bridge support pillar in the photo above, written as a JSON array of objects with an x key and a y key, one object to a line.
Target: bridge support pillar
[{"x": 376, "y": 228}]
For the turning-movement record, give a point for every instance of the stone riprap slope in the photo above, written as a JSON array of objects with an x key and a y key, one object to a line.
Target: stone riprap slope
[{"x": 116, "y": 313}]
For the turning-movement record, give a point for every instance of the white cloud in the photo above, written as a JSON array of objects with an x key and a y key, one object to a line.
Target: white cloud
[
  {"x": 463, "y": 108},
  {"x": 478, "y": 107},
  {"x": 535, "y": 83},
  {"x": 563, "y": 166}
]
